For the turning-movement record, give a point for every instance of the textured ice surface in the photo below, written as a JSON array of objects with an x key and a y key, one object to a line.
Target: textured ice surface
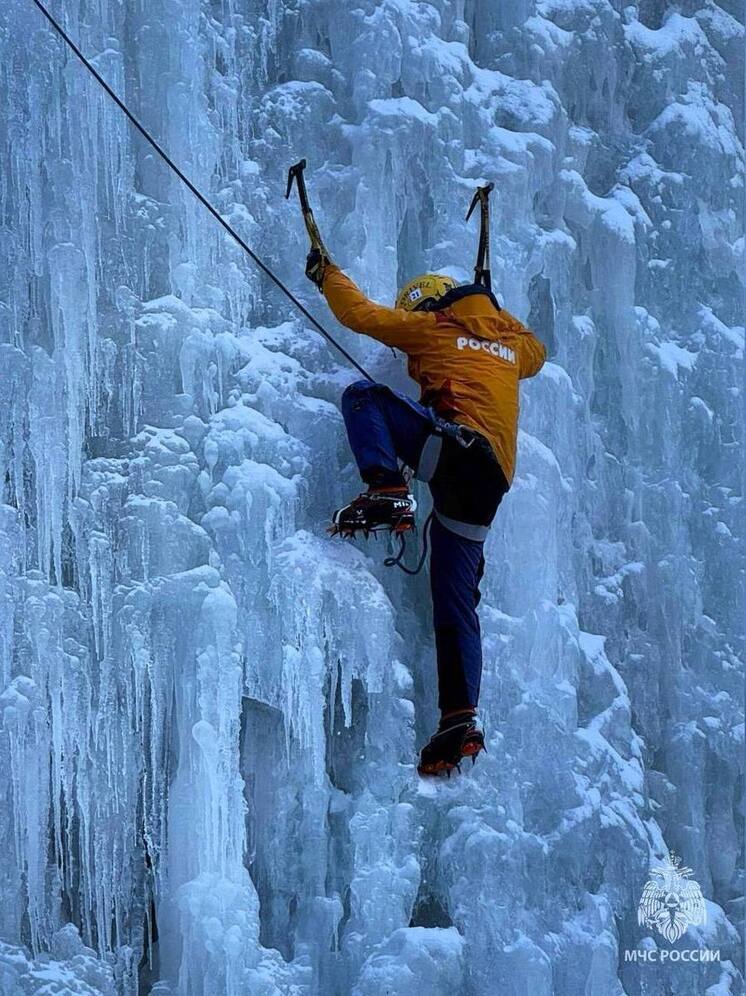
[{"x": 210, "y": 711}]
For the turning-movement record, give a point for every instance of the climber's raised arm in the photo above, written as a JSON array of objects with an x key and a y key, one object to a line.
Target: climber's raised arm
[{"x": 391, "y": 326}]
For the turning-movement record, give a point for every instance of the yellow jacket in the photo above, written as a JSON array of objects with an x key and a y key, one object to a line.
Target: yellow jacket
[{"x": 467, "y": 359}]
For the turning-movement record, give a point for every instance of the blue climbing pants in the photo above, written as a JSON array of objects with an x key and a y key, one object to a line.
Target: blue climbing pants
[{"x": 386, "y": 428}]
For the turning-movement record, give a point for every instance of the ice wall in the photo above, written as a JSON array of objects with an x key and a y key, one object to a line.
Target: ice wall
[{"x": 210, "y": 710}]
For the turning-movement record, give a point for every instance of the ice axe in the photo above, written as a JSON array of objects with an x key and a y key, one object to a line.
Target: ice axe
[
  {"x": 295, "y": 173},
  {"x": 482, "y": 273}
]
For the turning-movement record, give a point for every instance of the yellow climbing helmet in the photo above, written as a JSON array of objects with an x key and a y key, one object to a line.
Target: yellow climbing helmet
[{"x": 429, "y": 287}]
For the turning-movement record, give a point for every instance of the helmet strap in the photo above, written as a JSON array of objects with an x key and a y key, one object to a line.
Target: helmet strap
[{"x": 454, "y": 295}]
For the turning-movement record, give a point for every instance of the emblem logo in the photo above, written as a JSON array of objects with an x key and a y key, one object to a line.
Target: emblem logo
[{"x": 671, "y": 900}]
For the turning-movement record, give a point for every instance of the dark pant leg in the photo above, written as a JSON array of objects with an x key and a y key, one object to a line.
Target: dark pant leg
[
  {"x": 384, "y": 427},
  {"x": 456, "y": 568},
  {"x": 467, "y": 488}
]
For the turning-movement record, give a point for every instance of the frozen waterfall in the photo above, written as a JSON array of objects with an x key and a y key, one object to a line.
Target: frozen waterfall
[{"x": 210, "y": 710}]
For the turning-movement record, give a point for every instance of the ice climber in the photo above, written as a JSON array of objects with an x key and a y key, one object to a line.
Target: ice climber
[{"x": 468, "y": 355}]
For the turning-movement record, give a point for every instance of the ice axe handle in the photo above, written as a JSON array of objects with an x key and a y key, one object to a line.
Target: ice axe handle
[
  {"x": 483, "y": 277},
  {"x": 482, "y": 274},
  {"x": 295, "y": 173}
]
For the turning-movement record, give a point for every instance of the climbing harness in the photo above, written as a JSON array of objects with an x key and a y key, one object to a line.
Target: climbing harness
[
  {"x": 482, "y": 273},
  {"x": 465, "y": 438},
  {"x": 197, "y": 193}
]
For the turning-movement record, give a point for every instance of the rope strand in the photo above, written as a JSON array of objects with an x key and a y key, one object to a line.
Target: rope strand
[
  {"x": 197, "y": 193},
  {"x": 398, "y": 560}
]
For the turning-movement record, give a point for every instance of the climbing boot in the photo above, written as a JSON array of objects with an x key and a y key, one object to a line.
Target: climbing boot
[
  {"x": 455, "y": 740},
  {"x": 376, "y": 510}
]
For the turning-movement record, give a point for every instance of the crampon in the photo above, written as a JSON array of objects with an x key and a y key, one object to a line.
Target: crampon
[
  {"x": 448, "y": 747},
  {"x": 377, "y": 510}
]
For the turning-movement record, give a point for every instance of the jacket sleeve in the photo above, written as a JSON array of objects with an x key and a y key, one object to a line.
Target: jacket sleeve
[
  {"x": 406, "y": 330},
  {"x": 531, "y": 351}
]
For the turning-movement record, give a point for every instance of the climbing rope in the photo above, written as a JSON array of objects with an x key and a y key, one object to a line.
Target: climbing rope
[
  {"x": 197, "y": 193},
  {"x": 398, "y": 561}
]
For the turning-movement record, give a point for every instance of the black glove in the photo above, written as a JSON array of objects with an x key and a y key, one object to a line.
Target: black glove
[{"x": 316, "y": 264}]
